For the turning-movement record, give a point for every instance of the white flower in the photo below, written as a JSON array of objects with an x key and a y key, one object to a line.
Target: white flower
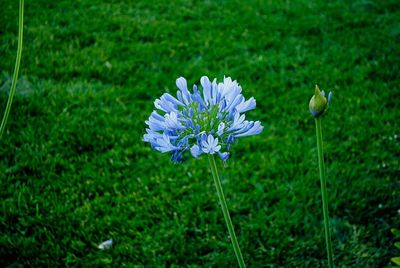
[{"x": 105, "y": 245}]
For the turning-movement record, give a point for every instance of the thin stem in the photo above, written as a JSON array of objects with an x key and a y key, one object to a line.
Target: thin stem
[
  {"x": 16, "y": 69},
  {"x": 225, "y": 211},
  {"x": 324, "y": 192}
]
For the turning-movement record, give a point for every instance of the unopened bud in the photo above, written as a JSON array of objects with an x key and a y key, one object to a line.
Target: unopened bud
[{"x": 318, "y": 103}]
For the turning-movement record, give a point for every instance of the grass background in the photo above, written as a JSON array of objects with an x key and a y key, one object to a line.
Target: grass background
[{"x": 75, "y": 171}]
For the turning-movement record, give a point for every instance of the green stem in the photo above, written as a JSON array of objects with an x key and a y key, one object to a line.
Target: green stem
[
  {"x": 324, "y": 192},
  {"x": 225, "y": 211},
  {"x": 16, "y": 69}
]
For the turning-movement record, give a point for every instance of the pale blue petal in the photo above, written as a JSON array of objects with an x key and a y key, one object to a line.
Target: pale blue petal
[
  {"x": 255, "y": 129},
  {"x": 195, "y": 151},
  {"x": 246, "y": 106}
]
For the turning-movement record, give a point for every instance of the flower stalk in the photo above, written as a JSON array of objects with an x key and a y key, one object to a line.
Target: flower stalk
[
  {"x": 205, "y": 121},
  {"x": 324, "y": 193},
  {"x": 16, "y": 69},
  {"x": 225, "y": 211}
]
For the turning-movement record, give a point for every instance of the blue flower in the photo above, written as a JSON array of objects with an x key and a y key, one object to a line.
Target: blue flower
[
  {"x": 196, "y": 151},
  {"x": 201, "y": 122},
  {"x": 210, "y": 146}
]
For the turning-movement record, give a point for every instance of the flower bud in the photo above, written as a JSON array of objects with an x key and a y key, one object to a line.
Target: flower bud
[{"x": 319, "y": 104}]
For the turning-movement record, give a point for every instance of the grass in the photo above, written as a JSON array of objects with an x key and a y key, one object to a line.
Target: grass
[{"x": 75, "y": 171}]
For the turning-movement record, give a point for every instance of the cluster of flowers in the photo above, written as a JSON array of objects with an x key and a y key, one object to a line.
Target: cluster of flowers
[{"x": 201, "y": 122}]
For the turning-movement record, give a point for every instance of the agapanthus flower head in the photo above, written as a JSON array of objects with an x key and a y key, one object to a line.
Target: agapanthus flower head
[
  {"x": 206, "y": 121},
  {"x": 319, "y": 103}
]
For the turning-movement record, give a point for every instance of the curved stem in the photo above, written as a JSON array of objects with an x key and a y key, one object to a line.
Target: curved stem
[
  {"x": 225, "y": 211},
  {"x": 324, "y": 191},
  {"x": 16, "y": 69}
]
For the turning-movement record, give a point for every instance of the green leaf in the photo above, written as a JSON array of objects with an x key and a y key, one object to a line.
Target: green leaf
[
  {"x": 397, "y": 245},
  {"x": 396, "y": 260},
  {"x": 105, "y": 260},
  {"x": 396, "y": 232}
]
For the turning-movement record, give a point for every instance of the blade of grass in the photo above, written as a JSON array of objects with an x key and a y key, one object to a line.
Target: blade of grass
[{"x": 16, "y": 69}]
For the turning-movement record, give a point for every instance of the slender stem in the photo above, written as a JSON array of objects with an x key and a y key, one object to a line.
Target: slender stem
[
  {"x": 16, "y": 69},
  {"x": 225, "y": 211},
  {"x": 324, "y": 192}
]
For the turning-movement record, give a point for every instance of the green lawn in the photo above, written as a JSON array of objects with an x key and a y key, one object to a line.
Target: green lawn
[{"x": 74, "y": 170}]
